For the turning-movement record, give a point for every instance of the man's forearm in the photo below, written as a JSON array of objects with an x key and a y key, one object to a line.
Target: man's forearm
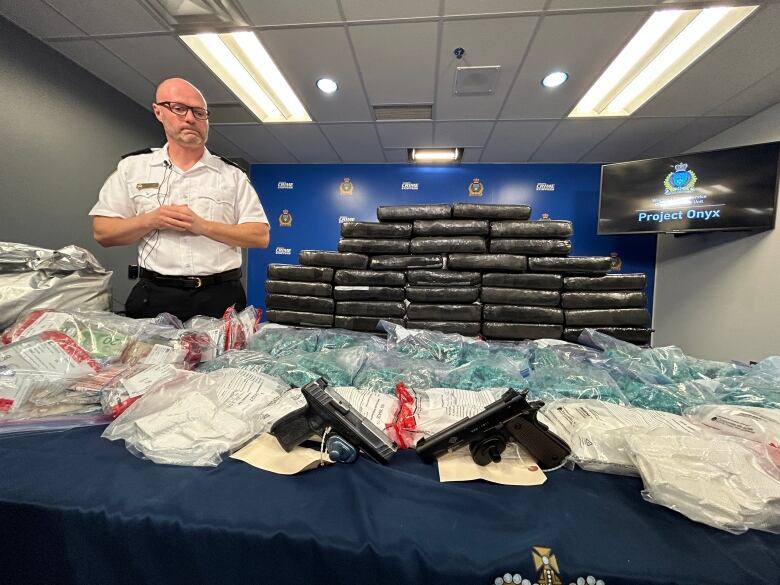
[
  {"x": 243, "y": 235},
  {"x": 118, "y": 231}
]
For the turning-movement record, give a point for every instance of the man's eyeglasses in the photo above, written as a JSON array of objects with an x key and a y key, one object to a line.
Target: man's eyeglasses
[{"x": 182, "y": 109}]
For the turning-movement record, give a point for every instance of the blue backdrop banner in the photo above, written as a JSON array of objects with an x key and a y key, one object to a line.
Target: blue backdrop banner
[{"x": 305, "y": 204}]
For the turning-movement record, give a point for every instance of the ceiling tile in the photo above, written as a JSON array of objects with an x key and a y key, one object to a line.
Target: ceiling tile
[
  {"x": 397, "y": 155},
  {"x": 491, "y": 41},
  {"x": 306, "y": 55},
  {"x": 159, "y": 57},
  {"x": 103, "y": 64},
  {"x": 753, "y": 99},
  {"x": 405, "y": 134},
  {"x": 757, "y": 129},
  {"x": 696, "y": 132},
  {"x": 258, "y": 143},
  {"x": 229, "y": 113},
  {"x": 746, "y": 56},
  {"x": 99, "y": 17},
  {"x": 38, "y": 18},
  {"x": 472, "y": 155},
  {"x": 462, "y": 7},
  {"x": 516, "y": 141},
  {"x": 461, "y": 133},
  {"x": 585, "y": 4},
  {"x": 576, "y": 44},
  {"x": 355, "y": 142},
  {"x": 220, "y": 145},
  {"x": 379, "y": 9},
  {"x": 270, "y": 12},
  {"x": 397, "y": 61},
  {"x": 634, "y": 136},
  {"x": 305, "y": 141},
  {"x": 573, "y": 138}
]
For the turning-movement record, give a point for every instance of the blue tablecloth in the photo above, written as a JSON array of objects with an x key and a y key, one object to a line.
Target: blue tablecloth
[{"x": 75, "y": 508}]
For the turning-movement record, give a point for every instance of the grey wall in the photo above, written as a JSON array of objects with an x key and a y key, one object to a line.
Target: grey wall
[
  {"x": 62, "y": 132},
  {"x": 716, "y": 294}
]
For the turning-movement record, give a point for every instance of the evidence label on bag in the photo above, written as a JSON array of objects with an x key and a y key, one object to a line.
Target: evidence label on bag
[{"x": 143, "y": 381}]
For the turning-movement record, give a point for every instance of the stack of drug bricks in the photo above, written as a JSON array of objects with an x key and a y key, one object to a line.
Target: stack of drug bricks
[
  {"x": 374, "y": 290},
  {"x": 614, "y": 304},
  {"x": 445, "y": 297},
  {"x": 300, "y": 295},
  {"x": 364, "y": 287},
  {"x": 559, "y": 294},
  {"x": 463, "y": 268}
]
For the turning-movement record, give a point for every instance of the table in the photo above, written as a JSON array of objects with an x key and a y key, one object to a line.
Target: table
[{"x": 75, "y": 508}]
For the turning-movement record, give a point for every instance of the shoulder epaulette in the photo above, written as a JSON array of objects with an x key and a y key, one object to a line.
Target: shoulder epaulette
[
  {"x": 230, "y": 162},
  {"x": 137, "y": 152}
]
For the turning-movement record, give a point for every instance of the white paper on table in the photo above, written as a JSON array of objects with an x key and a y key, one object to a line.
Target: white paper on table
[
  {"x": 266, "y": 453},
  {"x": 516, "y": 467}
]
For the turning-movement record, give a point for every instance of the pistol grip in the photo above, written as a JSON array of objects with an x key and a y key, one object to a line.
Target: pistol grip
[
  {"x": 294, "y": 428},
  {"x": 548, "y": 449}
]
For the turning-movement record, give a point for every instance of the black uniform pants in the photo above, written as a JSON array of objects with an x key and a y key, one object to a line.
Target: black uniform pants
[{"x": 148, "y": 299}]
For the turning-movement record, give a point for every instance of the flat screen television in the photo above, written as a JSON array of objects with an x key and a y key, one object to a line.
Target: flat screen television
[{"x": 729, "y": 189}]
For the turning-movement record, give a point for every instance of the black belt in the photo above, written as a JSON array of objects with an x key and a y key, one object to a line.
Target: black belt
[{"x": 190, "y": 281}]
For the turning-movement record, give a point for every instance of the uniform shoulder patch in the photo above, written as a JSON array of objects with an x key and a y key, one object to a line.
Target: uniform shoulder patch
[
  {"x": 230, "y": 162},
  {"x": 137, "y": 152}
]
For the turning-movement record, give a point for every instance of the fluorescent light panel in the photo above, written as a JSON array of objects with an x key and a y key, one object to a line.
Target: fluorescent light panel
[
  {"x": 434, "y": 154},
  {"x": 242, "y": 63},
  {"x": 667, "y": 44}
]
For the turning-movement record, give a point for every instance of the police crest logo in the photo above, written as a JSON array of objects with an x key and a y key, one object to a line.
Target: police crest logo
[
  {"x": 682, "y": 180},
  {"x": 476, "y": 188},
  {"x": 546, "y": 566},
  {"x": 285, "y": 219},
  {"x": 546, "y": 572},
  {"x": 346, "y": 186}
]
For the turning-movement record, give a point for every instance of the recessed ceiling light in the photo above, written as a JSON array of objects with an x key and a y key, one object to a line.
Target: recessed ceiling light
[
  {"x": 667, "y": 44},
  {"x": 327, "y": 85},
  {"x": 436, "y": 155},
  {"x": 242, "y": 63},
  {"x": 555, "y": 79}
]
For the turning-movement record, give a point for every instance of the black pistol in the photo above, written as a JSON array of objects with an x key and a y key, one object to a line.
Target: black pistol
[
  {"x": 488, "y": 432},
  {"x": 325, "y": 408}
]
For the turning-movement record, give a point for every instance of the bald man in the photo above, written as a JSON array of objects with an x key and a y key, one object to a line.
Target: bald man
[{"x": 189, "y": 212}]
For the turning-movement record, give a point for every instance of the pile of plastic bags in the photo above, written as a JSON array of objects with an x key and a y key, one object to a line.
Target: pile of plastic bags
[
  {"x": 704, "y": 436},
  {"x": 60, "y": 369}
]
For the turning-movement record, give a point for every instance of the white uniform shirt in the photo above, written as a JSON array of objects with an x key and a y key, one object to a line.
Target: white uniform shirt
[{"x": 213, "y": 189}]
